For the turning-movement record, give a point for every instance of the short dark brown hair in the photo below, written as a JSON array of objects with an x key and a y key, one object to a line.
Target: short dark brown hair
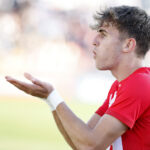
[{"x": 131, "y": 20}]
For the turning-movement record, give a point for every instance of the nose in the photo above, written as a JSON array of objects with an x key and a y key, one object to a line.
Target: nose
[{"x": 96, "y": 42}]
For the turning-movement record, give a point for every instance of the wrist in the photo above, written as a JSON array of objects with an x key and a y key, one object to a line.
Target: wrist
[
  {"x": 54, "y": 99},
  {"x": 49, "y": 91}
]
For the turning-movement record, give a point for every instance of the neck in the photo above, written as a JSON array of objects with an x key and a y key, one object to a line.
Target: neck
[{"x": 123, "y": 70}]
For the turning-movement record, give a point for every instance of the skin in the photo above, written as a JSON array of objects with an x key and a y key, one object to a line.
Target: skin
[{"x": 110, "y": 53}]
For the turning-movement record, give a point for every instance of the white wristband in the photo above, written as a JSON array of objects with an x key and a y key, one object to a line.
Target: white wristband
[
  {"x": 54, "y": 99},
  {"x": 50, "y": 105}
]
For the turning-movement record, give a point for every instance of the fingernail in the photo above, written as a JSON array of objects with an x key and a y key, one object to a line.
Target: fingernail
[{"x": 7, "y": 77}]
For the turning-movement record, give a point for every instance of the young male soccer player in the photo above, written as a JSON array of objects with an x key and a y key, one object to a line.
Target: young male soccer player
[{"x": 123, "y": 121}]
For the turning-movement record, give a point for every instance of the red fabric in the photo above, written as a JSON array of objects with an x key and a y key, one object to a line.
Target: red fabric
[
  {"x": 101, "y": 111},
  {"x": 132, "y": 107},
  {"x": 111, "y": 148}
]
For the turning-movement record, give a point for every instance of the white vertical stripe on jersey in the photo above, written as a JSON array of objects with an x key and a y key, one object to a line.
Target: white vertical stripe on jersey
[
  {"x": 117, "y": 145},
  {"x": 112, "y": 100},
  {"x": 108, "y": 148}
]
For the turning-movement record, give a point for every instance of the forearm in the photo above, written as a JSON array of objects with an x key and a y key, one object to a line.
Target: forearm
[
  {"x": 80, "y": 133},
  {"x": 77, "y": 130},
  {"x": 62, "y": 130}
]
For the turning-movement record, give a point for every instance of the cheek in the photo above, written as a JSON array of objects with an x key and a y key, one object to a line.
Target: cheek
[
  {"x": 109, "y": 48},
  {"x": 105, "y": 51},
  {"x": 109, "y": 54}
]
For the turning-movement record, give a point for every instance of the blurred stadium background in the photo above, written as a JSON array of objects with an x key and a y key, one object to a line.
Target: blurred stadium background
[{"x": 51, "y": 40}]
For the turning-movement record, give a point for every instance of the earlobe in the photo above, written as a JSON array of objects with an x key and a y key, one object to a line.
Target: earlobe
[{"x": 129, "y": 45}]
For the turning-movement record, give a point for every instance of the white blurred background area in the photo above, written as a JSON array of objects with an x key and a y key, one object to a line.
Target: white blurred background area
[{"x": 52, "y": 40}]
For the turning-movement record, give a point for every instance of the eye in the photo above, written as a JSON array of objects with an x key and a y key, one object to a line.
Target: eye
[{"x": 101, "y": 33}]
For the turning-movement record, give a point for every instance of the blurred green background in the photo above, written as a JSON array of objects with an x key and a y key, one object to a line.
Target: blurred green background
[{"x": 28, "y": 124}]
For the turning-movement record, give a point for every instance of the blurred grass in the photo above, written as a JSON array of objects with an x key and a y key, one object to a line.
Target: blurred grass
[{"x": 27, "y": 124}]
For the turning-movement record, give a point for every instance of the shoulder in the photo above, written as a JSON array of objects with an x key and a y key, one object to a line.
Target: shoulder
[
  {"x": 140, "y": 78},
  {"x": 138, "y": 81},
  {"x": 137, "y": 86}
]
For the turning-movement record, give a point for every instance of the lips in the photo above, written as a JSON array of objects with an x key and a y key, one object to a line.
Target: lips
[{"x": 94, "y": 54}]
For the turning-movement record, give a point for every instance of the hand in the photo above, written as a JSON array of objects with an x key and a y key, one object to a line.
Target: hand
[{"x": 36, "y": 88}]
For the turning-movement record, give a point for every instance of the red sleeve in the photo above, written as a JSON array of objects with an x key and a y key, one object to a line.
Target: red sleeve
[
  {"x": 127, "y": 111},
  {"x": 101, "y": 110},
  {"x": 128, "y": 105}
]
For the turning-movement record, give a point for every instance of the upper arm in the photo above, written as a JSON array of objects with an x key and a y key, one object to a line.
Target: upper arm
[
  {"x": 107, "y": 130},
  {"x": 93, "y": 121}
]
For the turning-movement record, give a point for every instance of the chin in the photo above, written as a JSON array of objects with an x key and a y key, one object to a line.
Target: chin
[{"x": 103, "y": 68}]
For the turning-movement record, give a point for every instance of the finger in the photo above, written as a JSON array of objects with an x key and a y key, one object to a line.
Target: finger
[
  {"x": 19, "y": 84},
  {"x": 33, "y": 79},
  {"x": 29, "y": 77},
  {"x": 10, "y": 79}
]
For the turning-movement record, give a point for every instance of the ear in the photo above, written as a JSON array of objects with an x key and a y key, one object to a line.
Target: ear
[{"x": 129, "y": 45}]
